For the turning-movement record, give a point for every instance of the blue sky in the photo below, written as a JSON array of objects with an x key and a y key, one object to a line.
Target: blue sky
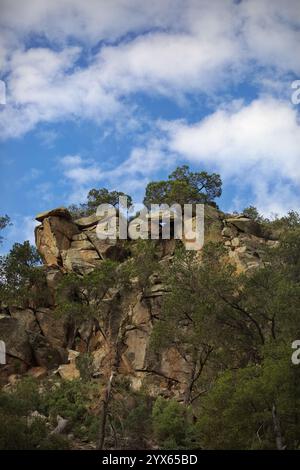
[{"x": 115, "y": 94}]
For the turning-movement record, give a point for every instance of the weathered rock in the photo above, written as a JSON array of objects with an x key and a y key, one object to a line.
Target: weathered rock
[
  {"x": 227, "y": 232},
  {"x": 107, "y": 249},
  {"x": 53, "y": 236},
  {"x": 79, "y": 236},
  {"x": 80, "y": 261},
  {"x": 68, "y": 246},
  {"x": 82, "y": 245},
  {"x": 72, "y": 355},
  {"x": 69, "y": 371},
  {"x": 53, "y": 277},
  {"x": 235, "y": 242},
  {"x": 154, "y": 291},
  {"x": 53, "y": 327},
  {"x": 16, "y": 340},
  {"x": 45, "y": 354},
  {"x": 61, "y": 212},
  {"x": 245, "y": 225},
  {"x": 85, "y": 222},
  {"x": 26, "y": 318}
]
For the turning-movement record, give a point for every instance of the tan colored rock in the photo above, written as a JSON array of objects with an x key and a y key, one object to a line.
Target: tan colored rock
[
  {"x": 154, "y": 291},
  {"x": 13, "y": 379},
  {"x": 82, "y": 245},
  {"x": 85, "y": 222},
  {"x": 136, "y": 342},
  {"x": 53, "y": 236},
  {"x": 72, "y": 355},
  {"x": 79, "y": 236},
  {"x": 235, "y": 242},
  {"x": 69, "y": 371},
  {"x": 58, "y": 212},
  {"x": 99, "y": 357},
  {"x": 80, "y": 261}
]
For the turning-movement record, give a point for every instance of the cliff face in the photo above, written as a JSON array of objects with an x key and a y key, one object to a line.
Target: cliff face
[{"x": 40, "y": 341}]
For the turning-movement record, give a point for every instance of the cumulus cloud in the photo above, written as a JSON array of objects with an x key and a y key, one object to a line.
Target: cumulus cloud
[
  {"x": 255, "y": 146},
  {"x": 264, "y": 131},
  {"x": 79, "y": 171},
  {"x": 123, "y": 47}
]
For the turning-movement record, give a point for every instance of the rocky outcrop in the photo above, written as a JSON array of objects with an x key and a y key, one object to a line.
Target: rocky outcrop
[
  {"x": 73, "y": 245},
  {"x": 54, "y": 235},
  {"x": 32, "y": 338},
  {"x": 246, "y": 241},
  {"x": 38, "y": 338}
]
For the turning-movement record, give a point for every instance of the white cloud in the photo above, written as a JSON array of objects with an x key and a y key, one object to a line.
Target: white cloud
[
  {"x": 21, "y": 229},
  {"x": 90, "y": 21},
  {"x": 271, "y": 32},
  {"x": 80, "y": 171},
  {"x": 255, "y": 146},
  {"x": 265, "y": 132},
  {"x": 174, "y": 48}
]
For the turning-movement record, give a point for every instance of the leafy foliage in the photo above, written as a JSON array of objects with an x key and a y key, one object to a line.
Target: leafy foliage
[
  {"x": 172, "y": 425},
  {"x": 183, "y": 187},
  {"x": 237, "y": 413},
  {"x": 4, "y": 222},
  {"x": 21, "y": 278},
  {"x": 96, "y": 197}
]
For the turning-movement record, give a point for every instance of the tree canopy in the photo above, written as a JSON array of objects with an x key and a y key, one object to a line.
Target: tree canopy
[
  {"x": 96, "y": 197},
  {"x": 4, "y": 222},
  {"x": 184, "y": 187}
]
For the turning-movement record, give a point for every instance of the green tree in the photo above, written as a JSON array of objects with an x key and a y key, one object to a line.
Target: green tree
[
  {"x": 172, "y": 424},
  {"x": 21, "y": 278},
  {"x": 96, "y": 197},
  {"x": 184, "y": 186},
  {"x": 4, "y": 222},
  {"x": 252, "y": 213},
  {"x": 187, "y": 320},
  {"x": 255, "y": 407}
]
